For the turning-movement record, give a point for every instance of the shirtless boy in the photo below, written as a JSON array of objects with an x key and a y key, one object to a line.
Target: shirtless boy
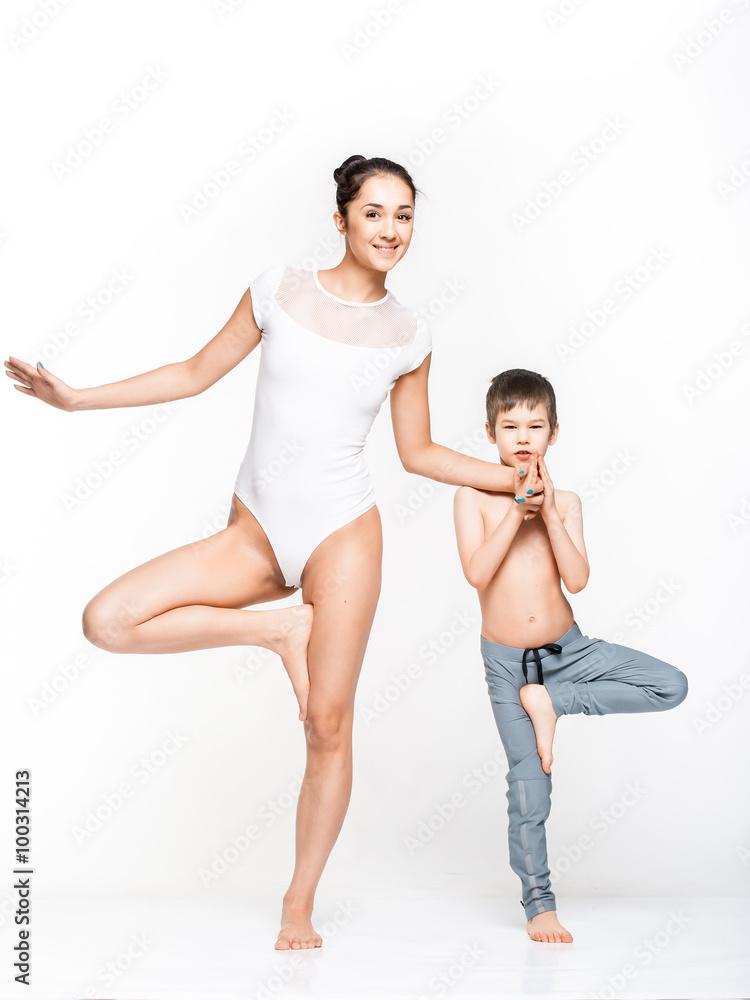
[{"x": 538, "y": 664}]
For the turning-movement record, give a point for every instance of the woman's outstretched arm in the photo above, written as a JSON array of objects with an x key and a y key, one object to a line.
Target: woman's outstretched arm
[
  {"x": 410, "y": 415},
  {"x": 178, "y": 380}
]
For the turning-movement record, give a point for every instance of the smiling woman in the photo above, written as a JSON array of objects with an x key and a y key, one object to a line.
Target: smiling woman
[{"x": 334, "y": 344}]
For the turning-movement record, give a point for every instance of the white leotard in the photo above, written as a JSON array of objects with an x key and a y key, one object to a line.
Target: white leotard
[{"x": 326, "y": 366}]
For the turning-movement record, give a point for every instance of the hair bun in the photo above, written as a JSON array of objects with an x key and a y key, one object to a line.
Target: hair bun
[{"x": 339, "y": 172}]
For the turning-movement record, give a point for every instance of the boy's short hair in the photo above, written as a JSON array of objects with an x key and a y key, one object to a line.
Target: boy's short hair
[{"x": 519, "y": 385}]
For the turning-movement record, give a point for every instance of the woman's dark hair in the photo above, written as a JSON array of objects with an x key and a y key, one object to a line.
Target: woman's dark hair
[
  {"x": 519, "y": 385},
  {"x": 354, "y": 171}
]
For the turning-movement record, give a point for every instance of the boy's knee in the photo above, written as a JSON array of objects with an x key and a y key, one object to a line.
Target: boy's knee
[
  {"x": 327, "y": 731},
  {"x": 673, "y": 689},
  {"x": 677, "y": 688}
]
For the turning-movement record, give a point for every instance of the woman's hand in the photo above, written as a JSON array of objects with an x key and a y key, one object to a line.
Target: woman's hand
[{"x": 41, "y": 383}]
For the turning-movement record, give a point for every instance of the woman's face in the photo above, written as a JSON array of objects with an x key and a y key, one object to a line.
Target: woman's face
[{"x": 379, "y": 222}]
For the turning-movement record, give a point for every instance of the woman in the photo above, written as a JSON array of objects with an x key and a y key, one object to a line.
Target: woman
[{"x": 303, "y": 514}]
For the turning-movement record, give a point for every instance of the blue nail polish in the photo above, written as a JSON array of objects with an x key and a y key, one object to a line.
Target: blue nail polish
[
  {"x": 521, "y": 472},
  {"x": 528, "y": 492},
  {"x": 519, "y": 499},
  {"x": 41, "y": 365}
]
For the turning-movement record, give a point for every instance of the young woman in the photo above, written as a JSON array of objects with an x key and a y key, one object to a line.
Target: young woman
[{"x": 303, "y": 514}]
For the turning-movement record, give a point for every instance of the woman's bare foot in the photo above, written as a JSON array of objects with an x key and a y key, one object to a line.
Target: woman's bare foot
[
  {"x": 538, "y": 704},
  {"x": 289, "y": 638},
  {"x": 297, "y": 931},
  {"x": 546, "y": 927}
]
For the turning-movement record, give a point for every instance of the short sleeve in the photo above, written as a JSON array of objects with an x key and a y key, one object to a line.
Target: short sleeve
[
  {"x": 421, "y": 345},
  {"x": 262, "y": 290}
]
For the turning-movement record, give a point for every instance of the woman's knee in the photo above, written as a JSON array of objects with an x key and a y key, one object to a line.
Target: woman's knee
[
  {"x": 328, "y": 731},
  {"x": 104, "y": 628}
]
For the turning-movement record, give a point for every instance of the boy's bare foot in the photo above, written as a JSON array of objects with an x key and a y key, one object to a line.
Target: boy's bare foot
[
  {"x": 538, "y": 704},
  {"x": 289, "y": 638},
  {"x": 296, "y": 932},
  {"x": 546, "y": 927}
]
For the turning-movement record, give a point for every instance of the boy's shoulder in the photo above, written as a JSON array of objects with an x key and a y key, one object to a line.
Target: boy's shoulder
[{"x": 568, "y": 505}]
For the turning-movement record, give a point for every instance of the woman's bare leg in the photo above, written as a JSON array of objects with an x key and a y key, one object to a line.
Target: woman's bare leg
[
  {"x": 342, "y": 582},
  {"x": 192, "y": 598}
]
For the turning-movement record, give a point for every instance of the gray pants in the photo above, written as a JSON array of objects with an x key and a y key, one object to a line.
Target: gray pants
[{"x": 581, "y": 675}]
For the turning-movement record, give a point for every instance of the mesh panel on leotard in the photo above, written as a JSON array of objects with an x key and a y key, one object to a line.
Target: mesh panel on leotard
[{"x": 384, "y": 324}]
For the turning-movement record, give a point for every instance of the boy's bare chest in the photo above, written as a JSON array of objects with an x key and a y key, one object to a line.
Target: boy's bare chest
[{"x": 531, "y": 541}]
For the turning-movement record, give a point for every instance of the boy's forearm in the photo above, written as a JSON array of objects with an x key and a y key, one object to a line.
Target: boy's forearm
[
  {"x": 160, "y": 385},
  {"x": 573, "y": 568},
  {"x": 445, "y": 465},
  {"x": 487, "y": 559}
]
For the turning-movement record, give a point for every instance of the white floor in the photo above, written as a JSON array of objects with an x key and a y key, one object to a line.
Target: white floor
[{"x": 387, "y": 948}]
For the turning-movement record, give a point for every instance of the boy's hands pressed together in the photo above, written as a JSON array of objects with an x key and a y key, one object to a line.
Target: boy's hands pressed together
[
  {"x": 548, "y": 508},
  {"x": 528, "y": 486}
]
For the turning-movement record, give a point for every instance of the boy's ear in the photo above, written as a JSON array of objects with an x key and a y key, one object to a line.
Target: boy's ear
[
  {"x": 553, "y": 435},
  {"x": 490, "y": 435}
]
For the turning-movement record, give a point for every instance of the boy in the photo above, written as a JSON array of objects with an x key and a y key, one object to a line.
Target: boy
[{"x": 516, "y": 550}]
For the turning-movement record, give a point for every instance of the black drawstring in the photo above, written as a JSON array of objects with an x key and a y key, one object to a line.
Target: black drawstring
[{"x": 553, "y": 647}]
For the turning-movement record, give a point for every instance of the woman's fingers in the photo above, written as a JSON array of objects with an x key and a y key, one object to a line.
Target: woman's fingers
[{"x": 18, "y": 377}]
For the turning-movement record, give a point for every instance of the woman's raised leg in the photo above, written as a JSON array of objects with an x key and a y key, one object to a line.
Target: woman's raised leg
[
  {"x": 342, "y": 582},
  {"x": 192, "y": 598}
]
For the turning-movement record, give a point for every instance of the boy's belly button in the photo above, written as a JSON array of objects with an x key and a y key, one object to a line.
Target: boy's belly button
[{"x": 531, "y": 618}]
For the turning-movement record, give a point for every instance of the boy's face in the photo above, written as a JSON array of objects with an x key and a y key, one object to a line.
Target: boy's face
[{"x": 520, "y": 431}]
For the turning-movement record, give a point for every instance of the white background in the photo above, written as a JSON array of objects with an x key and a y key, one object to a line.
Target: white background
[{"x": 671, "y": 512}]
